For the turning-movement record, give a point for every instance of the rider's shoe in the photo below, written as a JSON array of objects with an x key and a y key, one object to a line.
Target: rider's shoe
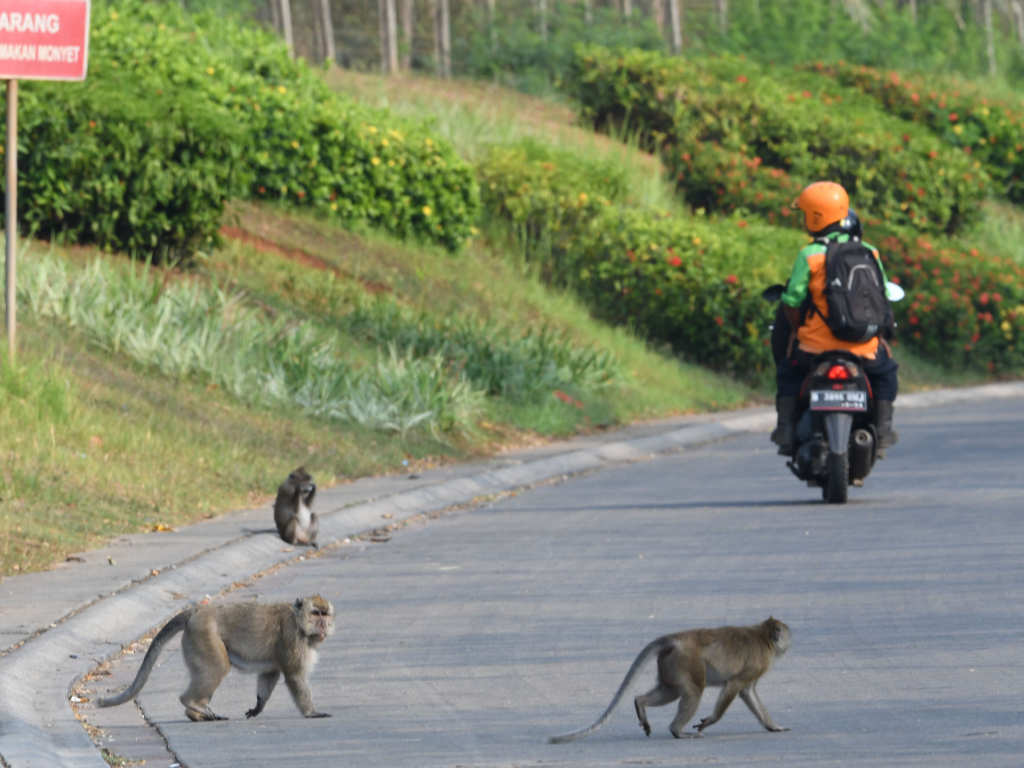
[
  {"x": 887, "y": 436},
  {"x": 783, "y": 435}
]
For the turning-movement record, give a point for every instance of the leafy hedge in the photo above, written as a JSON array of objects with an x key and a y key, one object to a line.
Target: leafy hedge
[
  {"x": 181, "y": 112},
  {"x": 738, "y": 139},
  {"x": 963, "y": 309},
  {"x": 107, "y": 162},
  {"x": 687, "y": 281},
  {"x": 694, "y": 281},
  {"x": 989, "y": 130}
]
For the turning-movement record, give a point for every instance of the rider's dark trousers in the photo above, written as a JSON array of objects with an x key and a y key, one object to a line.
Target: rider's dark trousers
[{"x": 791, "y": 372}]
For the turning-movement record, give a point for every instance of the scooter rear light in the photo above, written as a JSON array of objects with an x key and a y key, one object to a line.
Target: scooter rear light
[{"x": 838, "y": 372}]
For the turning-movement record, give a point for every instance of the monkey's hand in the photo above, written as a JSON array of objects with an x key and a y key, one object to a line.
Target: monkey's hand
[
  {"x": 252, "y": 713},
  {"x": 702, "y": 725},
  {"x": 318, "y": 714}
]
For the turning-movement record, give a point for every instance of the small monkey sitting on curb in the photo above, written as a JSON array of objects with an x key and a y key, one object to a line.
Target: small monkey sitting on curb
[
  {"x": 734, "y": 658},
  {"x": 295, "y": 522},
  {"x": 266, "y": 639}
]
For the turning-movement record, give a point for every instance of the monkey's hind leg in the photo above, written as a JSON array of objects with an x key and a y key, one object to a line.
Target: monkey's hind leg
[
  {"x": 656, "y": 697},
  {"x": 264, "y": 687},
  {"x": 753, "y": 701},
  {"x": 208, "y": 664},
  {"x": 314, "y": 529}
]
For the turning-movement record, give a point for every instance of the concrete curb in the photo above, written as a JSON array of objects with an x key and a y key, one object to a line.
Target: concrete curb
[{"x": 37, "y": 726}]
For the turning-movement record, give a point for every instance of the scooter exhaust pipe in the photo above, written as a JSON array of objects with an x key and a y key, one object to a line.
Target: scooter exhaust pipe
[{"x": 862, "y": 446}]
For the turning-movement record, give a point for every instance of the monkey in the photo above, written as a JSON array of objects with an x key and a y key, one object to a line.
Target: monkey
[
  {"x": 269, "y": 639},
  {"x": 734, "y": 658},
  {"x": 295, "y": 522}
]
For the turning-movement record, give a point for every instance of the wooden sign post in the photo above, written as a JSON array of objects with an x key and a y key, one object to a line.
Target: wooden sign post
[{"x": 39, "y": 40}]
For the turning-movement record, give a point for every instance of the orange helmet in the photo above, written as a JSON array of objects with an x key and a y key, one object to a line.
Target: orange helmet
[{"x": 823, "y": 203}]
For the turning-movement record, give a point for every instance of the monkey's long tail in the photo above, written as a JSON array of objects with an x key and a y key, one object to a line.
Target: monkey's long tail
[
  {"x": 171, "y": 628},
  {"x": 653, "y": 649}
]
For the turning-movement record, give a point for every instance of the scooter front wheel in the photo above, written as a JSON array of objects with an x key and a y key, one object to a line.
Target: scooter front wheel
[{"x": 837, "y": 485}]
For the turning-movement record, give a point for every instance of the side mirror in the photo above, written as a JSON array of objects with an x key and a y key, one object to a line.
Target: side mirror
[{"x": 773, "y": 293}]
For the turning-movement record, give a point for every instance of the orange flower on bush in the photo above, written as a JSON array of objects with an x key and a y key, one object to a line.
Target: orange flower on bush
[
  {"x": 741, "y": 79},
  {"x": 720, "y": 321},
  {"x": 674, "y": 261},
  {"x": 732, "y": 279},
  {"x": 953, "y": 117},
  {"x": 741, "y": 224}
]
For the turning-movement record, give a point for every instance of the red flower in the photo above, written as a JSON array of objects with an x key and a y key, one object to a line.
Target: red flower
[
  {"x": 953, "y": 117},
  {"x": 975, "y": 337},
  {"x": 720, "y": 321},
  {"x": 914, "y": 320},
  {"x": 741, "y": 79},
  {"x": 301, "y": 195},
  {"x": 997, "y": 297},
  {"x": 262, "y": 190},
  {"x": 806, "y": 94},
  {"x": 933, "y": 154},
  {"x": 906, "y": 137},
  {"x": 915, "y": 98},
  {"x": 785, "y": 211},
  {"x": 741, "y": 224},
  {"x": 675, "y": 261},
  {"x": 732, "y": 279},
  {"x": 630, "y": 255},
  {"x": 974, "y": 251},
  {"x": 983, "y": 298}
]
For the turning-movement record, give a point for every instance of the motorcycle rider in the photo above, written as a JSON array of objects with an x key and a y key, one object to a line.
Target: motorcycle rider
[{"x": 826, "y": 208}]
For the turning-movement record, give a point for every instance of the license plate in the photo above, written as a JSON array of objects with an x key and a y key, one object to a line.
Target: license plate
[{"x": 838, "y": 400}]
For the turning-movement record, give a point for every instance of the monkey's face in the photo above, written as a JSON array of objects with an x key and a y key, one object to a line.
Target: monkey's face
[
  {"x": 780, "y": 635},
  {"x": 316, "y": 617}
]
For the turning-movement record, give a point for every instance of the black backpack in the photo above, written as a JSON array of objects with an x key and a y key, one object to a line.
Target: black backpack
[{"x": 858, "y": 308}]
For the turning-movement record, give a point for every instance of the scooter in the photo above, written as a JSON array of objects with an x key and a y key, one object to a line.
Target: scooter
[{"x": 836, "y": 442}]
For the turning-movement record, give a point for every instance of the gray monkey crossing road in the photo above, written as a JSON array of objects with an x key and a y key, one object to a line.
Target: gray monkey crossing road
[{"x": 471, "y": 638}]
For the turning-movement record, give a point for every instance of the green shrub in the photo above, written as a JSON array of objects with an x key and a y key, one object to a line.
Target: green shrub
[
  {"x": 687, "y": 281},
  {"x": 990, "y": 130},
  {"x": 302, "y": 144},
  {"x": 113, "y": 163},
  {"x": 736, "y": 138},
  {"x": 962, "y": 309}
]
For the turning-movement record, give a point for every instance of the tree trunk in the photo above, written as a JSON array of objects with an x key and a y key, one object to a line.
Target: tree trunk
[
  {"x": 723, "y": 16},
  {"x": 275, "y": 16},
  {"x": 286, "y": 25},
  {"x": 627, "y": 9},
  {"x": 492, "y": 23},
  {"x": 989, "y": 36},
  {"x": 588, "y": 11},
  {"x": 1018, "y": 12},
  {"x": 446, "y": 40},
  {"x": 392, "y": 31},
  {"x": 913, "y": 12},
  {"x": 328, "y": 25},
  {"x": 382, "y": 32},
  {"x": 407, "y": 31},
  {"x": 542, "y": 14},
  {"x": 658, "y": 11},
  {"x": 675, "y": 11}
]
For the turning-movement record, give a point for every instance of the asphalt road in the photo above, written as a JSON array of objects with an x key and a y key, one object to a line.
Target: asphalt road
[{"x": 469, "y": 639}]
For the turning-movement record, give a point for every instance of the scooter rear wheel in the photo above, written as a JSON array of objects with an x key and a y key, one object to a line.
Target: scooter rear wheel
[{"x": 837, "y": 486}]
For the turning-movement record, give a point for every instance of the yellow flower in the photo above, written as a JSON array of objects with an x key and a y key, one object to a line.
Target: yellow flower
[
  {"x": 1006, "y": 326},
  {"x": 113, "y": 15},
  {"x": 375, "y": 160},
  {"x": 958, "y": 129},
  {"x": 383, "y": 142},
  {"x": 428, "y": 142},
  {"x": 391, "y": 163},
  {"x": 281, "y": 89},
  {"x": 984, "y": 111},
  {"x": 256, "y": 106},
  {"x": 426, "y": 210},
  {"x": 284, "y": 190},
  {"x": 210, "y": 70},
  {"x": 696, "y": 241},
  {"x": 583, "y": 197},
  {"x": 474, "y": 231},
  {"x": 295, "y": 145},
  {"x": 334, "y": 206},
  {"x": 371, "y": 129}
]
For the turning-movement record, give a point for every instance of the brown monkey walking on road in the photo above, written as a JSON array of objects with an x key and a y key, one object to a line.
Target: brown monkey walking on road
[
  {"x": 734, "y": 658},
  {"x": 266, "y": 639},
  {"x": 296, "y": 523}
]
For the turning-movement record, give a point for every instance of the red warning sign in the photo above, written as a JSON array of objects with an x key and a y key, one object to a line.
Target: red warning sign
[{"x": 44, "y": 39}]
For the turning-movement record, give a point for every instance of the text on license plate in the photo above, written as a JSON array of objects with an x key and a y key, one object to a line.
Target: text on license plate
[{"x": 841, "y": 400}]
